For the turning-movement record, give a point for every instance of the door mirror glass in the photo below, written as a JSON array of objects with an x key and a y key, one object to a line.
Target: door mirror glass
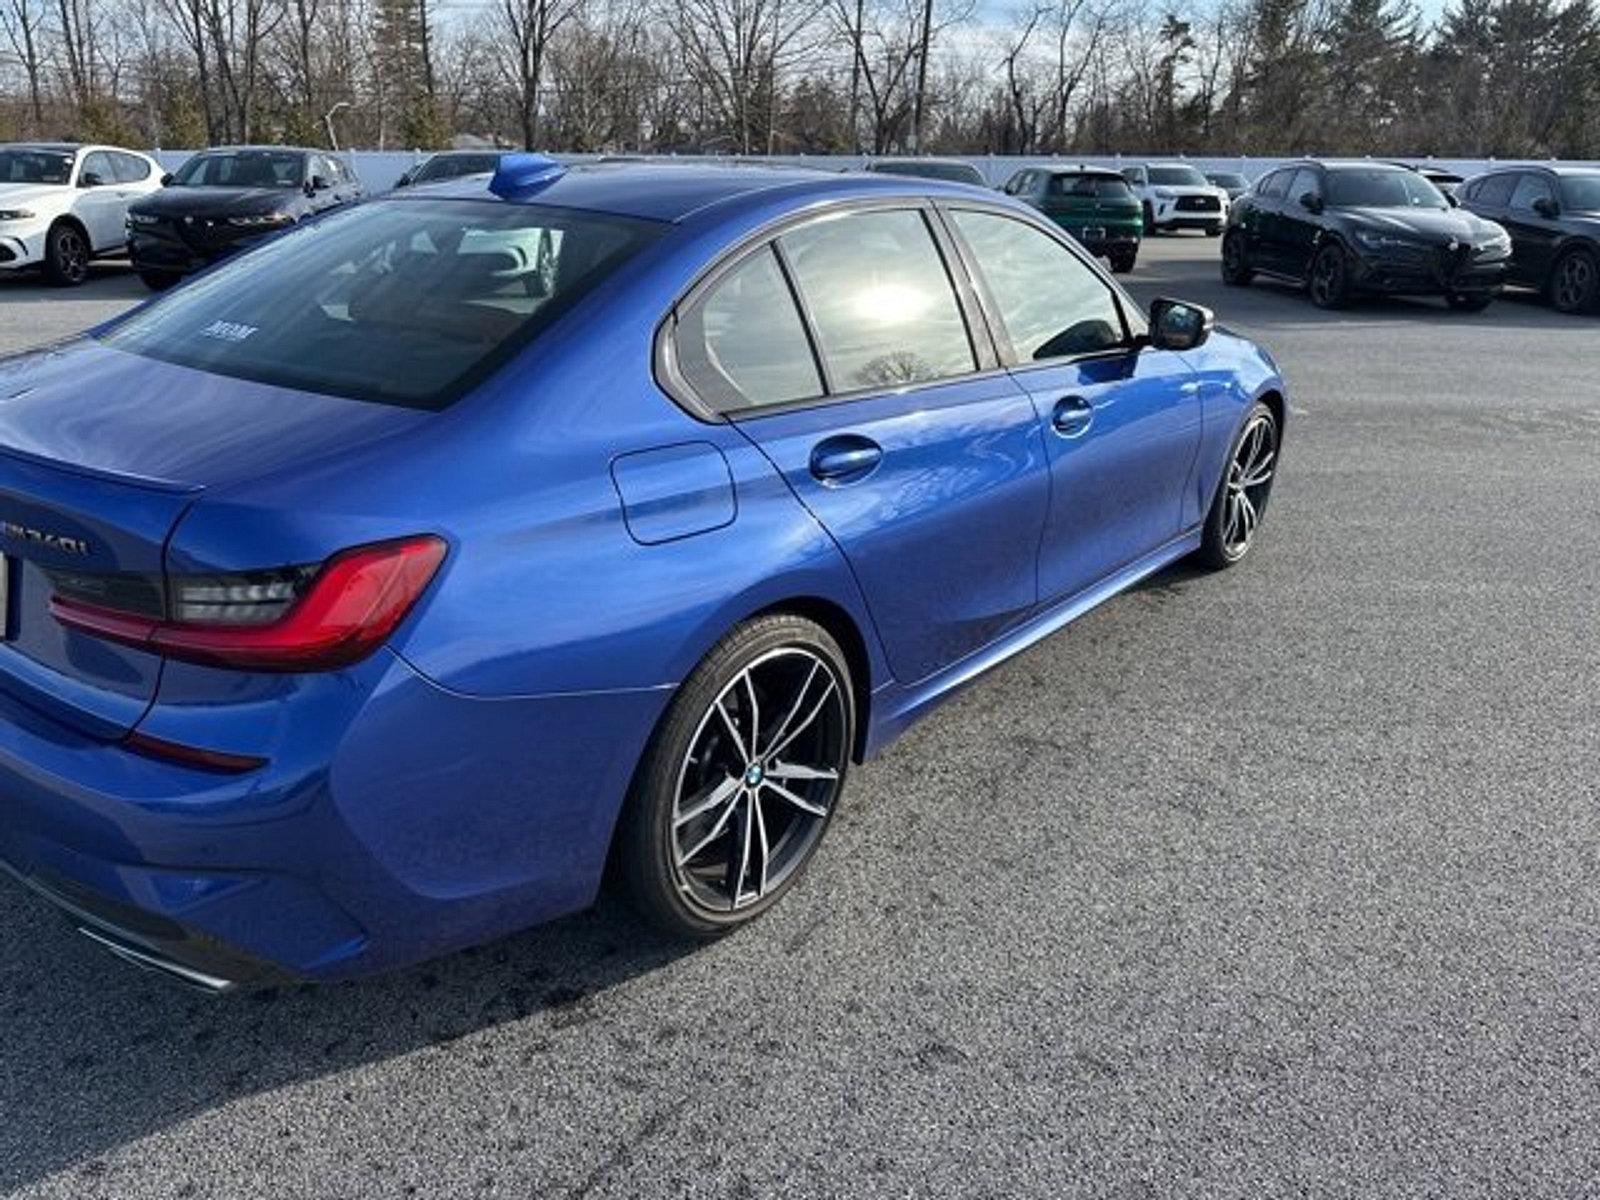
[{"x": 1176, "y": 325}]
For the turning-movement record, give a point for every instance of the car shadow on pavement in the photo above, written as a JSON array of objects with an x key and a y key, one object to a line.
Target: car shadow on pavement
[{"x": 97, "y": 1054}]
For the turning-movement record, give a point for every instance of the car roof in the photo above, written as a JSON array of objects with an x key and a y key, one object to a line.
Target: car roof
[
  {"x": 53, "y": 147},
  {"x": 918, "y": 158},
  {"x": 673, "y": 191},
  {"x": 280, "y": 149}
]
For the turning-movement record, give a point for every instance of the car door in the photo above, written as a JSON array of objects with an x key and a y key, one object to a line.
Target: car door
[
  {"x": 101, "y": 203},
  {"x": 928, "y": 472},
  {"x": 1121, "y": 422},
  {"x": 1532, "y": 218},
  {"x": 1256, "y": 215},
  {"x": 1295, "y": 231}
]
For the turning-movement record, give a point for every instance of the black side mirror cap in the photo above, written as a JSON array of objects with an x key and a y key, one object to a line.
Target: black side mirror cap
[
  {"x": 1547, "y": 207},
  {"x": 1311, "y": 201},
  {"x": 1179, "y": 325},
  {"x": 90, "y": 179},
  {"x": 166, "y": 180}
]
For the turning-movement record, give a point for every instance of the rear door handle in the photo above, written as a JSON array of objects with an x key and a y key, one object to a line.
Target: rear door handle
[
  {"x": 1071, "y": 416},
  {"x": 845, "y": 459}
]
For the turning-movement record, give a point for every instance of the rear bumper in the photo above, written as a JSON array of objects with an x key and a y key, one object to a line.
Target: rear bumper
[
  {"x": 1207, "y": 221},
  {"x": 422, "y": 822}
]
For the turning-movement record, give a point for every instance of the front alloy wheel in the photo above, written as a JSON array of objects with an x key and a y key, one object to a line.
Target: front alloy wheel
[
  {"x": 66, "y": 256},
  {"x": 1330, "y": 278},
  {"x": 1241, "y": 498},
  {"x": 1575, "y": 282},
  {"x": 1236, "y": 270},
  {"x": 741, "y": 780}
]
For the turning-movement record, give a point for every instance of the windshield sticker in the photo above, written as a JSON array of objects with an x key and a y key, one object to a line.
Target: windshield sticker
[{"x": 228, "y": 331}]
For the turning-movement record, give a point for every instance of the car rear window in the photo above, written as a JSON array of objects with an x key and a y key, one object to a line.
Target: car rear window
[
  {"x": 406, "y": 302},
  {"x": 1101, "y": 187}
]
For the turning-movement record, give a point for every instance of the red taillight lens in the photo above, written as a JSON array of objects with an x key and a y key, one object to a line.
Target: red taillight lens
[{"x": 338, "y": 615}]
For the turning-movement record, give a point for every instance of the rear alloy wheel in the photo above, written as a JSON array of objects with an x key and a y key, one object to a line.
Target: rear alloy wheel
[
  {"x": 1471, "y": 302},
  {"x": 1236, "y": 270},
  {"x": 1242, "y": 494},
  {"x": 1574, "y": 282},
  {"x": 741, "y": 779},
  {"x": 66, "y": 255},
  {"x": 1330, "y": 278}
]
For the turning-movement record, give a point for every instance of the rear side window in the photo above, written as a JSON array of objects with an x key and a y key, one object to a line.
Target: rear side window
[
  {"x": 1051, "y": 303},
  {"x": 402, "y": 302},
  {"x": 130, "y": 168},
  {"x": 885, "y": 312},
  {"x": 743, "y": 344}
]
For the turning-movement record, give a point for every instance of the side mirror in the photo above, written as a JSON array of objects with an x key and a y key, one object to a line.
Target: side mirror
[
  {"x": 403, "y": 181},
  {"x": 1311, "y": 202},
  {"x": 1451, "y": 199},
  {"x": 91, "y": 179},
  {"x": 1547, "y": 207},
  {"x": 1177, "y": 325},
  {"x": 166, "y": 180},
  {"x": 319, "y": 183}
]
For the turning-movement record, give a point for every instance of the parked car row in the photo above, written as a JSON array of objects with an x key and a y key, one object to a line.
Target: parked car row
[{"x": 1344, "y": 229}]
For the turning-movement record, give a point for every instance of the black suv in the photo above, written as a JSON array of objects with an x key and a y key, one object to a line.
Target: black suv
[
  {"x": 1553, "y": 217},
  {"x": 1348, "y": 227},
  {"x": 222, "y": 200}
]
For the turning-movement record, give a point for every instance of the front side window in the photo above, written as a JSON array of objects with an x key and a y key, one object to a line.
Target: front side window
[
  {"x": 1305, "y": 183},
  {"x": 885, "y": 312},
  {"x": 22, "y": 164},
  {"x": 1495, "y": 191},
  {"x": 1275, "y": 186},
  {"x": 243, "y": 169},
  {"x": 1529, "y": 191},
  {"x": 400, "y": 302},
  {"x": 97, "y": 170},
  {"x": 454, "y": 166},
  {"x": 1051, "y": 303},
  {"x": 743, "y": 344}
]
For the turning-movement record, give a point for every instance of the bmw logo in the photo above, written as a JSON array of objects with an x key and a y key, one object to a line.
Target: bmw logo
[{"x": 753, "y": 775}]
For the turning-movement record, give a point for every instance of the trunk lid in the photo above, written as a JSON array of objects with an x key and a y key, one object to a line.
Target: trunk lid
[{"x": 101, "y": 454}]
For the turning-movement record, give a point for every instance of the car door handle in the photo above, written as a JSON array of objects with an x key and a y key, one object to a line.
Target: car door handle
[
  {"x": 1071, "y": 416},
  {"x": 845, "y": 459}
]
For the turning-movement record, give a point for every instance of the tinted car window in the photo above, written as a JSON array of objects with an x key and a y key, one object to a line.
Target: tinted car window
[
  {"x": 1529, "y": 190},
  {"x": 243, "y": 169},
  {"x": 1228, "y": 179},
  {"x": 454, "y": 166},
  {"x": 951, "y": 172},
  {"x": 1305, "y": 180},
  {"x": 35, "y": 166},
  {"x": 1177, "y": 176},
  {"x": 1376, "y": 187},
  {"x": 130, "y": 168},
  {"x": 1103, "y": 187},
  {"x": 1276, "y": 185},
  {"x": 1052, "y": 304},
  {"x": 403, "y": 302},
  {"x": 878, "y": 291},
  {"x": 743, "y": 345},
  {"x": 1581, "y": 193},
  {"x": 1495, "y": 191},
  {"x": 98, "y": 164}
]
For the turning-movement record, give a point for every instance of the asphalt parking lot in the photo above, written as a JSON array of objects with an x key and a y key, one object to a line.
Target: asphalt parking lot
[{"x": 1283, "y": 882}]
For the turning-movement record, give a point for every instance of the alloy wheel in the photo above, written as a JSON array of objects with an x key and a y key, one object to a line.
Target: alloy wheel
[
  {"x": 1249, "y": 484},
  {"x": 1575, "y": 282},
  {"x": 759, "y": 782},
  {"x": 72, "y": 255},
  {"x": 1327, "y": 278}
]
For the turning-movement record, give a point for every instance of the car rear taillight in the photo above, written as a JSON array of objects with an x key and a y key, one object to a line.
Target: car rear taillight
[{"x": 312, "y": 618}]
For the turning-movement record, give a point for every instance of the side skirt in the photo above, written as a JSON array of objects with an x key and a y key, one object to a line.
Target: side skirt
[{"x": 897, "y": 708}]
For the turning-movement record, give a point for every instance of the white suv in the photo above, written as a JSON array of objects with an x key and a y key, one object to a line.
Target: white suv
[
  {"x": 1177, "y": 196},
  {"x": 63, "y": 204}
]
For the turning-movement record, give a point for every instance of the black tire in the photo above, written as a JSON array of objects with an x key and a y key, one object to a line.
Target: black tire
[
  {"x": 1236, "y": 270},
  {"x": 1574, "y": 283},
  {"x": 66, "y": 255},
  {"x": 670, "y": 857},
  {"x": 1121, "y": 264},
  {"x": 1214, "y": 231},
  {"x": 1329, "y": 282},
  {"x": 1221, "y": 545},
  {"x": 1149, "y": 219},
  {"x": 159, "y": 281},
  {"x": 1469, "y": 302}
]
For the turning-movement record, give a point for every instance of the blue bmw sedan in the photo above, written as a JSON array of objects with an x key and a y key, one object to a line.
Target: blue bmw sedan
[{"x": 368, "y": 595}]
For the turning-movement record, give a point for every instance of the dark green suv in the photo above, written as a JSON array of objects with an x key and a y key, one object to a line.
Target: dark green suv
[{"x": 1093, "y": 204}]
